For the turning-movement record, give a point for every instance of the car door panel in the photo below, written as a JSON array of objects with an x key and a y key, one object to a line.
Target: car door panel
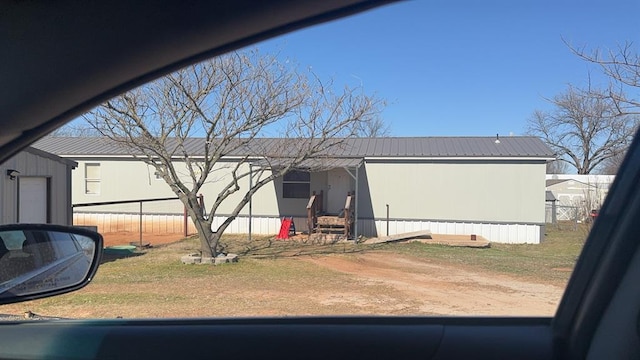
[{"x": 282, "y": 338}]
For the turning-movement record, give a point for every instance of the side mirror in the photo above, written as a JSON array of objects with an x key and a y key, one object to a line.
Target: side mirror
[{"x": 38, "y": 261}]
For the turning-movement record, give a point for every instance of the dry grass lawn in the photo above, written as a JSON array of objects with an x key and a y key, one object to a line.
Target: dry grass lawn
[{"x": 276, "y": 278}]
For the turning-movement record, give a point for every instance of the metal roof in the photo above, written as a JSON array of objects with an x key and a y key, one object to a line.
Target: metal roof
[
  {"x": 418, "y": 147},
  {"x": 548, "y": 196},
  {"x": 551, "y": 182},
  {"x": 51, "y": 156},
  {"x": 316, "y": 163}
]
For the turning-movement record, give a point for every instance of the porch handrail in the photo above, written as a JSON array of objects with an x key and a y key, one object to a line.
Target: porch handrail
[
  {"x": 311, "y": 213},
  {"x": 314, "y": 206},
  {"x": 347, "y": 213},
  {"x": 312, "y": 201}
]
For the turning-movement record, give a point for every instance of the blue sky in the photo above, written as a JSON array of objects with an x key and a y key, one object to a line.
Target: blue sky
[{"x": 463, "y": 67}]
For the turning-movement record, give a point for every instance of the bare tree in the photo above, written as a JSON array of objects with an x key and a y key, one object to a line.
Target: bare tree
[
  {"x": 75, "y": 129},
  {"x": 583, "y": 129},
  {"x": 376, "y": 127},
  {"x": 557, "y": 167},
  {"x": 588, "y": 205},
  {"x": 188, "y": 124},
  {"x": 622, "y": 67},
  {"x": 612, "y": 164}
]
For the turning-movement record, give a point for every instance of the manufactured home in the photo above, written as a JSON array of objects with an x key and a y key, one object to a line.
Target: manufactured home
[{"x": 490, "y": 187}]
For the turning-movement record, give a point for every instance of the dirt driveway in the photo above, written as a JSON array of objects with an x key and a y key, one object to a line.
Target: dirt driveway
[
  {"x": 441, "y": 289},
  {"x": 365, "y": 283}
]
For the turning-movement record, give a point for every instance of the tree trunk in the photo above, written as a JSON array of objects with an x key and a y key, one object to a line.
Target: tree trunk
[
  {"x": 208, "y": 246},
  {"x": 208, "y": 239}
]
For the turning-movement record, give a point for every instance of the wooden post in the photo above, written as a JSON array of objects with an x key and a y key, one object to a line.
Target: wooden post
[
  {"x": 311, "y": 213},
  {"x": 185, "y": 223},
  {"x": 347, "y": 215},
  {"x": 201, "y": 203},
  {"x": 387, "y": 219},
  {"x": 141, "y": 224}
]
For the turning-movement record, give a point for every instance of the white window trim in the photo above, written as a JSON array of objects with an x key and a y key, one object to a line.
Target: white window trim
[{"x": 88, "y": 180}]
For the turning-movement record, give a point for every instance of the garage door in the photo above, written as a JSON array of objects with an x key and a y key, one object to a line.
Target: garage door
[{"x": 32, "y": 200}]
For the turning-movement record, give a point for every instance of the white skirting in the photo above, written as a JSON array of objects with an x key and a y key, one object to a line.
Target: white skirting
[
  {"x": 499, "y": 233},
  {"x": 269, "y": 225}
]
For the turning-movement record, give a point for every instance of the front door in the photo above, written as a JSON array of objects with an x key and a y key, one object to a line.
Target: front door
[
  {"x": 32, "y": 200},
  {"x": 339, "y": 182}
]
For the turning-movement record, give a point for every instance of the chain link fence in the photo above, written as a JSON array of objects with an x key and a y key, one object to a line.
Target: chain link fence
[
  {"x": 158, "y": 216},
  {"x": 565, "y": 216}
]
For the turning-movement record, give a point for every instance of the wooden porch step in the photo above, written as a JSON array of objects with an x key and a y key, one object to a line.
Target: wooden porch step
[
  {"x": 330, "y": 221},
  {"x": 330, "y": 226},
  {"x": 329, "y": 230},
  {"x": 318, "y": 238}
]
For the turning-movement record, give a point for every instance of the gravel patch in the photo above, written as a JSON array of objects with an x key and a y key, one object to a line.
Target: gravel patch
[{"x": 28, "y": 315}]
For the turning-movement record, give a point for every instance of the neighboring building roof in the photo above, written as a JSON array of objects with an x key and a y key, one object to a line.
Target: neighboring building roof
[
  {"x": 431, "y": 147},
  {"x": 576, "y": 184},
  {"x": 551, "y": 182},
  {"x": 51, "y": 156},
  {"x": 585, "y": 179}
]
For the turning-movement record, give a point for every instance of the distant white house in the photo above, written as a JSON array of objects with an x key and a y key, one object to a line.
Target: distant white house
[
  {"x": 571, "y": 189},
  {"x": 600, "y": 180},
  {"x": 448, "y": 185},
  {"x": 35, "y": 187},
  {"x": 577, "y": 195}
]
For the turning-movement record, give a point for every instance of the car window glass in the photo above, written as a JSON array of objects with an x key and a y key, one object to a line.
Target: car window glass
[
  {"x": 450, "y": 199},
  {"x": 13, "y": 239},
  {"x": 64, "y": 243}
]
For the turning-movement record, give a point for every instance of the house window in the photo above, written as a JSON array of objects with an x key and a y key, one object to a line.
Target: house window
[
  {"x": 92, "y": 178},
  {"x": 296, "y": 185}
]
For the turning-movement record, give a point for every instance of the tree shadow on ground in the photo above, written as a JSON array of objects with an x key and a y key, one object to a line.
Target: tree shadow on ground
[
  {"x": 270, "y": 248},
  {"x": 107, "y": 258}
]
